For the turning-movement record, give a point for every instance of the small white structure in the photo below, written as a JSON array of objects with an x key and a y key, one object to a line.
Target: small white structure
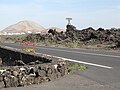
[
  {"x": 37, "y": 32},
  {"x": 69, "y": 19},
  {"x": 29, "y": 32},
  {"x": 22, "y": 33}
]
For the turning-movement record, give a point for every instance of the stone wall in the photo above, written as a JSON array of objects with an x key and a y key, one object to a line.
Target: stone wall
[
  {"x": 30, "y": 69},
  {"x": 12, "y": 57}
]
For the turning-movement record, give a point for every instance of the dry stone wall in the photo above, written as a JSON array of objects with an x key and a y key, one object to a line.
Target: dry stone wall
[{"x": 31, "y": 69}]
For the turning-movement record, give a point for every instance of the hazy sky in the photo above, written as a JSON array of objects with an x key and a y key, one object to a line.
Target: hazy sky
[{"x": 52, "y": 13}]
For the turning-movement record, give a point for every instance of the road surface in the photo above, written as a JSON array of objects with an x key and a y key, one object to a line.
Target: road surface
[{"x": 104, "y": 67}]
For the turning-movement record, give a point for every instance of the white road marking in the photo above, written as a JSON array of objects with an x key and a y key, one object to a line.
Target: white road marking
[
  {"x": 93, "y": 54},
  {"x": 81, "y": 62},
  {"x": 87, "y": 63}
]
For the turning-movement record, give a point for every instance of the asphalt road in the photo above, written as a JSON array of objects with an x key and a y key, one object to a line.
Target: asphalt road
[{"x": 104, "y": 67}]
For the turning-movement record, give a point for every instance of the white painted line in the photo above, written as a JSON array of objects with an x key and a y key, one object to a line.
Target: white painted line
[
  {"x": 91, "y": 64},
  {"x": 81, "y": 62},
  {"x": 86, "y": 63},
  {"x": 93, "y": 54}
]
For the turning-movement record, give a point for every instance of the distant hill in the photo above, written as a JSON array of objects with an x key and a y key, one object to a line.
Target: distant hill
[{"x": 24, "y": 26}]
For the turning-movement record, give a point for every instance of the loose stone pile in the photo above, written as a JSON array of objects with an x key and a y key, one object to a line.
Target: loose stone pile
[{"x": 16, "y": 76}]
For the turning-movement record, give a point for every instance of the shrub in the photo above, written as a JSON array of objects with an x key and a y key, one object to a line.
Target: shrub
[{"x": 76, "y": 67}]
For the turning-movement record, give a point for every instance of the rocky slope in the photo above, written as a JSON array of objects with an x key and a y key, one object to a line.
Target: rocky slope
[
  {"x": 109, "y": 38},
  {"x": 90, "y": 36}
]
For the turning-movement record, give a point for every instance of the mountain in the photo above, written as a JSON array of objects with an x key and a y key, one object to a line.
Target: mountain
[{"x": 24, "y": 26}]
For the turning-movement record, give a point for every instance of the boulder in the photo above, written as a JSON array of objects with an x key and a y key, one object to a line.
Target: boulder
[
  {"x": 1, "y": 61},
  {"x": 19, "y": 63},
  {"x": 118, "y": 43}
]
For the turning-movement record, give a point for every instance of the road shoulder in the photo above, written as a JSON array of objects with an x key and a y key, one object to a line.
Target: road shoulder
[{"x": 68, "y": 82}]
